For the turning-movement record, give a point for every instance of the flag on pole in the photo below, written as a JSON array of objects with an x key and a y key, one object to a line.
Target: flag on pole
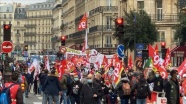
[{"x": 83, "y": 25}]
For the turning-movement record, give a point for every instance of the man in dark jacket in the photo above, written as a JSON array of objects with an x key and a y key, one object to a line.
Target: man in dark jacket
[
  {"x": 51, "y": 89},
  {"x": 143, "y": 90},
  {"x": 90, "y": 92},
  {"x": 172, "y": 89},
  {"x": 75, "y": 90},
  {"x": 158, "y": 82},
  {"x": 42, "y": 78}
]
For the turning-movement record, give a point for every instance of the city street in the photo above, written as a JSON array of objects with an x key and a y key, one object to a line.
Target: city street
[{"x": 34, "y": 99}]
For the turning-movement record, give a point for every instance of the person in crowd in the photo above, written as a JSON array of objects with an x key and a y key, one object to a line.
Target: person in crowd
[
  {"x": 123, "y": 88},
  {"x": 51, "y": 89},
  {"x": 75, "y": 90},
  {"x": 42, "y": 78},
  {"x": 158, "y": 82},
  {"x": 16, "y": 93},
  {"x": 90, "y": 92},
  {"x": 133, "y": 80},
  {"x": 142, "y": 90},
  {"x": 36, "y": 84},
  {"x": 23, "y": 82},
  {"x": 84, "y": 78},
  {"x": 27, "y": 77},
  {"x": 172, "y": 91},
  {"x": 65, "y": 83},
  {"x": 1, "y": 81},
  {"x": 183, "y": 83}
]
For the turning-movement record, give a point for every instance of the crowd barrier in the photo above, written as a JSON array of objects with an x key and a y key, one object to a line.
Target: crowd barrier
[{"x": 156, "y": 99}]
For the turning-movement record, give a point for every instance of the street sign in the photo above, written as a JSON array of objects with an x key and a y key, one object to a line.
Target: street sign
[
  {"x": 6, "y": 46},
  {"x": 120, "y": 51},
  {"x": 63, "y": 50},
  {"x": 25, "y": 53}
]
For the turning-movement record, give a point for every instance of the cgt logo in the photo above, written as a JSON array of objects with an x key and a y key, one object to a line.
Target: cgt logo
[{"x": 82, "y": 25}]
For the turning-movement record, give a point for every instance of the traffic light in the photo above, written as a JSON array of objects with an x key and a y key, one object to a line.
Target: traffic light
[
  {"x": 7, "y": 32},
  {"x": 63, "y": 39},
  {"x": 163, "y": 49},
  {"x": 26, "y": 48},
  {"x": 119, "y": 24},
  {"x": 163, "y": 45}
]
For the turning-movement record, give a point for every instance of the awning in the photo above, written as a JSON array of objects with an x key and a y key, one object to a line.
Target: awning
[{"x": 179, "y": 51}]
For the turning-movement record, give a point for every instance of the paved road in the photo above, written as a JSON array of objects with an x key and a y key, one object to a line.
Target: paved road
[{"x": 34, "y": 99}]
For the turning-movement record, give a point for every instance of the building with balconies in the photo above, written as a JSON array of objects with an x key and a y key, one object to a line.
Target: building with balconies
[
  {"x": 100, "y": 24},
  {"x": 39, "y": 26},
  {"x": 19, "y": 29},
  {"x": 57, "y": 24}
]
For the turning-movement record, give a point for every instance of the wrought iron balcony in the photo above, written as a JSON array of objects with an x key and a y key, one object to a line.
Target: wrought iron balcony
[
  {"x": 5, "y": 17},
  {"x": 40, "y": 16},
  {"x": 29, "y": 33},
  {"x": 30, "y": 42},
  {"x": 30, "y": 25},
  {"x": 103, "y": 9},
  {"x": 108, "y": 45},
  {"x": 164, "y": 18},
  {"x": 106, "y": 28}
]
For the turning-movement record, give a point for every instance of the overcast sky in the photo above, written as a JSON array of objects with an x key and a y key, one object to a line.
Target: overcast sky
[{"x": 22, "y": 1}]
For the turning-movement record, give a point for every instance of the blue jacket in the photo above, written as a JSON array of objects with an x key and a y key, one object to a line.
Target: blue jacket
[{"x": 51, "y": 85}]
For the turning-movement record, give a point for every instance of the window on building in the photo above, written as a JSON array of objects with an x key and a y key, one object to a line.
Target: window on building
[
  {"x": 10, "y": 16},
  {"x": 9, "y": 22},
  {"x": 4, "y": 16},
  {"x": 4, "y": 22},
  {"x": 17, "y": 39},
  {"x": 173, "y": 39},
  {"x": 109, "y": 2},
  {"x": 49, "y": 5},
  {"x": 109, "y": 22},
  {"x": 17, "y": 31},
  {"x": 161, "y": 36},
  {"x": 18, "y": 23},
  {"x": 108, "y": 41},
  {"x": 8, "y": 9},
  {"x": 41, "y": 6},
  {"x": 140, "y": 5},
  {"x": 159, "y": 10}
]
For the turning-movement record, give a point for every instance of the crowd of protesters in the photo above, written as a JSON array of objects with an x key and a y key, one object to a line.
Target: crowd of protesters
[{"x": 91, "y": 87}]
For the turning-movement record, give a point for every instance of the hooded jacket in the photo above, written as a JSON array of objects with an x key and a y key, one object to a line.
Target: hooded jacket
[
  {"x": 51, "y": 85},
  {"x": 142, "y": 81}
]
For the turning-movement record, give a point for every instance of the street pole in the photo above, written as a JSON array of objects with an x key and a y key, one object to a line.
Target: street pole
[{"x": 102, "y": 30}]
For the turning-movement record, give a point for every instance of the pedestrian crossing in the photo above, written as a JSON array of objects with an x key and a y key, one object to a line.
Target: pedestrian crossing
[{"x": 40, "y": 99}]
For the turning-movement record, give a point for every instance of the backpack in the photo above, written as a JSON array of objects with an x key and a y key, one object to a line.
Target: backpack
[
  {"x": 69, "y": 81},
  {"x": 126, "y": 89},
  {"x": 5, "y": 95},
  {"x": 142, "y": 90}
]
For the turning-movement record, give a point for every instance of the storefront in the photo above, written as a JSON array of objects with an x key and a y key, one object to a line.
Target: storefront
[{"x": 178, "y": 54}]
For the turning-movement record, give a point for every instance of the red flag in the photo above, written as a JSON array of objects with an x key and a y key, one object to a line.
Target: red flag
[
  {"x": 104, "y": 62},
  {"x": 182, "y": 68},
  {"x": 151, "y": 51},
  {"x": 130, "y": 64},
  {"x": 156, "y": 49},
  {"x": 167, "y": 61},
  {"x": 83, "y": 23}
]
